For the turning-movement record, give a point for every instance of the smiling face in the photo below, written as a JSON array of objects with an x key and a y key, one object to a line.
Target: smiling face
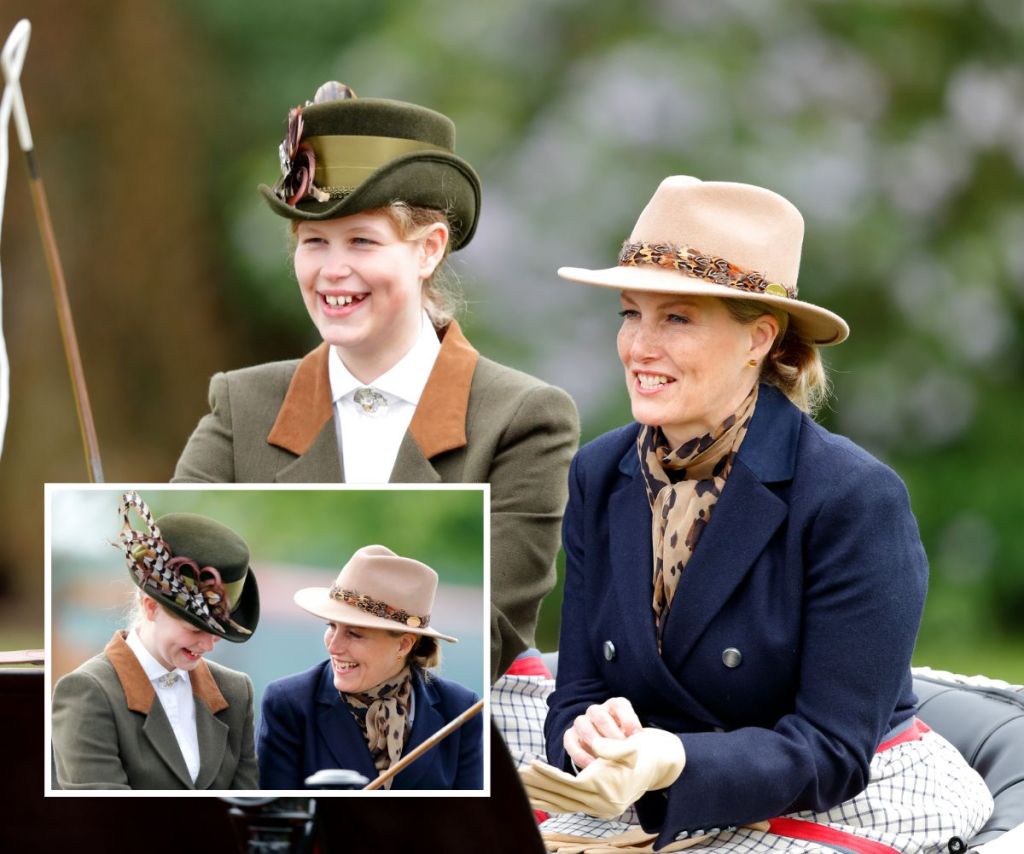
[
  {"x": 363, "y": 286},
  {"x": 170, "y": 640},
  {"x": 687, "y": 360},
  {"x": 362, "y": 658}
]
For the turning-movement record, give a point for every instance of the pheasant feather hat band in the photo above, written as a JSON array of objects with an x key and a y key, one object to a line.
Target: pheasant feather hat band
[
  {"x": 342, "y": 155},
  {"x": 378, "y": 589},
  {"x": 195, "y": 567},
  {"x": 714, "y": 238}
]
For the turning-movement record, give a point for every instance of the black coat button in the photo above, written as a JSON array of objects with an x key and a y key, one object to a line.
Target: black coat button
[
  {"x": 732, "y": 657},
  {"x": 609, "y": 651}
]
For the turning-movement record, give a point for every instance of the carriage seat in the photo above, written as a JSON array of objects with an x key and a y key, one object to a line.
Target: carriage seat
[{"x": 984, "y": 719}]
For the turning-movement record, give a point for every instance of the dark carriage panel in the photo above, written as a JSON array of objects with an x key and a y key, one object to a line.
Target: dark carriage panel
[
  {"x": 503, "y": 823},
  {"x": 34, "y": 823}
]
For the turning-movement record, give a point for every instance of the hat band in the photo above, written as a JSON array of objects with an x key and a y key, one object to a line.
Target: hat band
[
  {"x": 232, "y": 590},
  {"x": 344, "y": 162},
  {"x": 699, "y": 265},
  {"x": 200, "y": 594},
  {"x": 378, "y": 608}
]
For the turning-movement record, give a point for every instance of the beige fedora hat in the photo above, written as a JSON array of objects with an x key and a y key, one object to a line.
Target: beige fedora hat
[
  {"x": 377, "y": 589},
  {"x": 716, "y": 238}
]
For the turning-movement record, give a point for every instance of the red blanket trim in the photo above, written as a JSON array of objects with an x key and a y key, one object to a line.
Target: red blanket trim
[
  {"x": 795, "y": 828},
  {"x": 529, "y": 665},
  {"x": 911, "y": 733}
]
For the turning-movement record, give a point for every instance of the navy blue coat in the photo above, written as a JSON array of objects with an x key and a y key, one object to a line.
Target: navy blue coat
[
  {"x": 306, "y": 726},
  {"x": 811, "y": 568}
]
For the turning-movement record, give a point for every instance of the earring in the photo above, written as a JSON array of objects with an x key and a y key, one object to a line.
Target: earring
[{"x": 752, "y": 363}]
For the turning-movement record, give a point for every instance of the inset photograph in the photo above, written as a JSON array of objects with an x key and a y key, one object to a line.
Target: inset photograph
[{"x": 224, "y": 639}]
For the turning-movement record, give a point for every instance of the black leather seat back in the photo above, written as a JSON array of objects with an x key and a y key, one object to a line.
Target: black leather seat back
[{"x": 987, "y": 726}]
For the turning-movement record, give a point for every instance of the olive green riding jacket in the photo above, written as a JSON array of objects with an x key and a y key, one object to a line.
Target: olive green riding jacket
[{"x": 476, "y": 422}]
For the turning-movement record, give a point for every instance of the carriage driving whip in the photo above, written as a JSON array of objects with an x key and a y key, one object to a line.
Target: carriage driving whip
[
  {"x": 422, "y": 748},
  {"x": 12, "y": 59}
]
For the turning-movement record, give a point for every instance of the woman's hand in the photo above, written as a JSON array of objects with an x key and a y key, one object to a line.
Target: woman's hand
[
  {"x": 625, "y": 770},
  {"x": 613, "y": 718}
]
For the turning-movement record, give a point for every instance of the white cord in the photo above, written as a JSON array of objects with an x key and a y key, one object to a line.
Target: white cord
[
  {"x": 5, "y": 368},
  {"x": 13, "y": 57}
]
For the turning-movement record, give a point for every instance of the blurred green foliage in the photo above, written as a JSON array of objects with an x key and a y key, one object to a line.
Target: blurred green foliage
[
  {"x": 324, "y": 528},
  {"x": 895, "y": 127},
  {"x": 298, "y": 527}
]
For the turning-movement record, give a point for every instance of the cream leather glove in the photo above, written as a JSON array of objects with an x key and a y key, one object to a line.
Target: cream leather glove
[
  {"x": 624, "y": 770},
  {"x": 631, "y": 840}
]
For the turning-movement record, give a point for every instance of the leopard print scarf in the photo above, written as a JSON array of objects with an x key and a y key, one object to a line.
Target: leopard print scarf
[
  {"x": 683, "y": 486},
  {"x": 382, "y": 714}
]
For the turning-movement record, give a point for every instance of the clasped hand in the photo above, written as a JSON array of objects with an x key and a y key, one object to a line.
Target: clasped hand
[
  {"x": 614, "y": 718},
  {"x": 618, "y": 770}
]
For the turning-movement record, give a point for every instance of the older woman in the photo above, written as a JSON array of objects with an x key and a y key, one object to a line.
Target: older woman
[
  {"x": 150, "y": 712},
  {"x": 377, "y": 198},
  {"x": 374, "y": 698},
  {"x": 743, "y": 587}
]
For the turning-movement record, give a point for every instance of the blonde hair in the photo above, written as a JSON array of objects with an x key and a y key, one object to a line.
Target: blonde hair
[
  {"x": 425, "y": 653},
  {"x": 793, "y": 365},
  {"x": 442, "y": 294},
  {"x": 135, "y": 613}
]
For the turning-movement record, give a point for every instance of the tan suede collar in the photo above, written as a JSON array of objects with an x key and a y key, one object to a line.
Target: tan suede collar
[
  {"x": 438, "y": 425},
  {"x": 139, "y": 691}
]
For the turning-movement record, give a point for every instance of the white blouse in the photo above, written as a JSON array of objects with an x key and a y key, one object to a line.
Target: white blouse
[
  {"x": 176, "y": 698},
  {"x": 370, "y": 424}
]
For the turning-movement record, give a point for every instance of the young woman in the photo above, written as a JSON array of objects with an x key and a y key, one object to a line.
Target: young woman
[
  {"x": 375, "y": 698},
  {"x": 377, "y": 199},
  {"x": 743, "y": 588},
  {"x": 150, "y": 712}
]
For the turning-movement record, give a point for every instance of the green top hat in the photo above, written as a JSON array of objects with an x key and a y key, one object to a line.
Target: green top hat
[
  {"x": 195, "y": 567},
  {"x": 343, "y": 155}
]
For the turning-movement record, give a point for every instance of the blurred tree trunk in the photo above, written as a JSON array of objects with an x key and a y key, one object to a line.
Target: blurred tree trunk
[{"x": 119, "y": 100}]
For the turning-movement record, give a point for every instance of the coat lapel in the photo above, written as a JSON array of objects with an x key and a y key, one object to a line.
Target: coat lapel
[
  {"x": 426, "y": 722},
  {"x": 339, "y": 732},
  {"x": 411, "y": 466},
  {"x": 321, "y": 462},
  {"x": 305, "y": 422},
  {"x": 212, "y": 735},
  {"x": 140, "y": 696},
  {"x": 439, "y": 423},
  {"x": 631, "y": 551},
  {"x": 211, "y": 732},
  {"x": 158, "y": 732},
  {"x": 139, "y": 692},
  {"x": 306, "y": 407},
  {"x": 631, "y": 563},
  {"x": 722, "y": 559}
]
